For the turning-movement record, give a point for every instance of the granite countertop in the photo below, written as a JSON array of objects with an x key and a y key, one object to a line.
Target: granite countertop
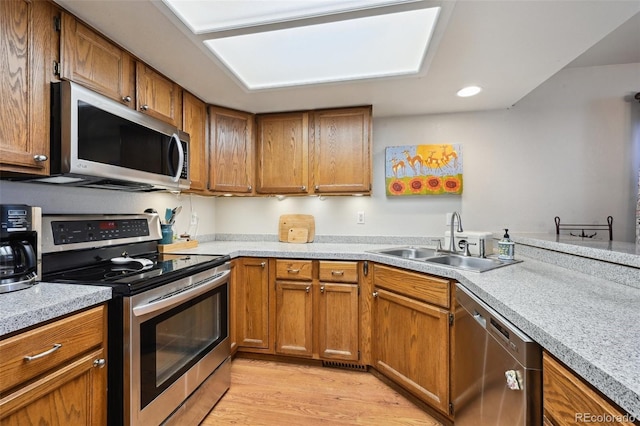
[
  {"x": 589, "y": 323},
  {"x": 44, "y": 301}
]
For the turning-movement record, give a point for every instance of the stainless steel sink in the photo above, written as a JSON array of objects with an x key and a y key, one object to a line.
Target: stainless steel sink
[
  {"x": 408, "y": 252},
  {"x": 469, "y": 263},
  {"x": 457, "y": 261}
]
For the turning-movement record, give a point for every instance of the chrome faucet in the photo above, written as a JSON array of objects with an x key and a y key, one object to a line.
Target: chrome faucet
[{"x": 452, "y": 237}]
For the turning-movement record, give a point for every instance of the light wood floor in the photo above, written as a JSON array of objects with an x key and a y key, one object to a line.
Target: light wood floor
[{"x": 267, "y": 393}]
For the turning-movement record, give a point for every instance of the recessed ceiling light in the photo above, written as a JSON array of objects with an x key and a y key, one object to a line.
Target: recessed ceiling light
[{"x": 465, "y": 92}]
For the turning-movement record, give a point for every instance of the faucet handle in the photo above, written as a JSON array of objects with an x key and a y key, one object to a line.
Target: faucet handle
[
  {"x": 438, "y": 242},
  {"x": 466, "y": 248}
]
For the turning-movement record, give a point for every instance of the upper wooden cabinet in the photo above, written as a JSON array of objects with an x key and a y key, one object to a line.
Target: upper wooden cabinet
[
  {"x": 341, "y": 151},
  {"x": 93, "y": 61},
  {"x": 319, "y": 152},
  {"x": 28, "y": 46},
  {"x": 283, "y": 152},
  {"x": 231, "y": 151},
  {"x": 158, "y": 96},
  {"x": 194, "y": 122}
]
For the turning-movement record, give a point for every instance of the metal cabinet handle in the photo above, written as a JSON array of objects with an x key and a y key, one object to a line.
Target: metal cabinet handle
[
  {"x": 249, "y": 188},
  {"x": 126, "y": 99},
  {"x": 307, "y": 289},
  {"x": 339, "y": 273},
  {"x": 55, "y": 347},
  {"x": 303, "y": 188},
  {"x": 375, "y": 294},
  {"x": 293, "y": 271},
  {"x": 39, "y": 158},
  {"x": 317, "y": 187},
  {"x": 263, "y": 264},
  {"x": 322, "y": 289},
  {"x": 144, "y": 107},
  {"x": 99, "y": 363}
]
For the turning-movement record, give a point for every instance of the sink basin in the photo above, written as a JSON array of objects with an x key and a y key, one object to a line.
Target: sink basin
[
  {"x": 468, "y": 263},
  {"x": 408, "y": 252}
]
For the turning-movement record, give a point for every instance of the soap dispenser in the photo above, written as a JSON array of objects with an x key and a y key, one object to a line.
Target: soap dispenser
[{"x": 506, "y": 247}]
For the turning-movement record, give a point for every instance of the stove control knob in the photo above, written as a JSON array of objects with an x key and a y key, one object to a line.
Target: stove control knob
[{"x": 100, "y": 363}]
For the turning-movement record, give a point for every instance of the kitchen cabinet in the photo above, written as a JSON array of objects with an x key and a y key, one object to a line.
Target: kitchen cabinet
[
  {"x": 231, "y": 150},
  {"x": 283, "y": 152},
  {"x": 158, "y": 96},
  {"x": 317, "y": 313},
  {"x": 341, "y": 151},
  {"x": 412, "y": 333},
  {"x": 567, "y": 399},
  {"x": 95, "y": 62},
  {"x": 28, "y": 46},
  {"x": 194, "y": 122},
  {"x": 56, "y": 373},
  {"x": 255, "y": 303}
]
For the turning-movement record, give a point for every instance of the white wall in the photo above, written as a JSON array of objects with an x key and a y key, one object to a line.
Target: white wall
[{"x": 564, "y": 150}]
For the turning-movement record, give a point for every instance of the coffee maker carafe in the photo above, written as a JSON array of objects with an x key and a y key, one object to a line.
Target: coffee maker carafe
[{"x": 20, "y": 254}]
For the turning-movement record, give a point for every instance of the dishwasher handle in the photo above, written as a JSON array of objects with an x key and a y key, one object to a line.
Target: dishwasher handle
[{"x": 480, "y": 319}]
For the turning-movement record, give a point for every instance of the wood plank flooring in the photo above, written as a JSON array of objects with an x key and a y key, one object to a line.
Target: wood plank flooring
[{"x": 265, "y": 393}]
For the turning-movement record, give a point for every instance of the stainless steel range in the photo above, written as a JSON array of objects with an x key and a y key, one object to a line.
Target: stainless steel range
[{"x": 168, "y": 321}]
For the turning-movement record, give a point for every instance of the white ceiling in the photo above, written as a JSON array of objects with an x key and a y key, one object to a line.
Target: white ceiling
[{"x": 508, "y": 47}]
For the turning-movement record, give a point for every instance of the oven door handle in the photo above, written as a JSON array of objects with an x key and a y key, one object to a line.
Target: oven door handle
[{"x": 178, "y": 298}]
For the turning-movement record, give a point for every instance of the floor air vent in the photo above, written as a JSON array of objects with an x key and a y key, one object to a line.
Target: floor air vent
[{"x": 345, "y": 365}]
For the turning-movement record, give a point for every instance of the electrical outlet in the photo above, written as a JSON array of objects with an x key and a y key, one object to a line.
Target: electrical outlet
[
  {"x": 360, "y": 219},
  {"x": 194, "y": 218}
]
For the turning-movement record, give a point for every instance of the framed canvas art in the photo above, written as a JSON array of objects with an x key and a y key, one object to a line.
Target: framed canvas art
[{"x": 423, "y": 169}]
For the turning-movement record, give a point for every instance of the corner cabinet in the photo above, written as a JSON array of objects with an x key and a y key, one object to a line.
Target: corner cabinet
[
  {"x": 28, "y": 44},
  {"x": 412, "y": 333},
  {"x": 231, "y": 149},
  {"x": 56, "y": 373},
  {"x": 194, "y": 122},
  {"x": 93, "y": 61},
  {"x": 341, "y": 151}
]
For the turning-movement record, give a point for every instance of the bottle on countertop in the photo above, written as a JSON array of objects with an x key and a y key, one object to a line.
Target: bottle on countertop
[{"x": 506, "y": 247}]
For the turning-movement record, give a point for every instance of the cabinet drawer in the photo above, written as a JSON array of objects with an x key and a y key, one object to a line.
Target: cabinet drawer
[
  {"x": 415, "y": 285},
  {"x": 339, "y": 272},
  {"x": 567, "y": 397},
  {"x": 75, "y": 335},
  {"x": 294, "y": 269}
]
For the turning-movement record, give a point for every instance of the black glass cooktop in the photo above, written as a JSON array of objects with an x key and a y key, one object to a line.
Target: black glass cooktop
[{"x": 132, "y": 277}]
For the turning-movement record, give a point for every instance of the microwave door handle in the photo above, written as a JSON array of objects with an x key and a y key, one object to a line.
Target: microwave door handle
[{"x": 175, "y": 138}]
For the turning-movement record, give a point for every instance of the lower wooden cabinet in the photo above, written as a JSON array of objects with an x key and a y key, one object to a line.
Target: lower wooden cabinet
[
  {"x": 57, "y": 373},
  {"x": 568, "y": 400},
  {"x": 412, "y": 338},
  {"x": 294, "y": 318},
  {"x": 254, "y": 300}
]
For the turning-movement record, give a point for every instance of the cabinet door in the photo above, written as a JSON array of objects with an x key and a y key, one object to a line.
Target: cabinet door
[
  {"x": 75, "y": 394},
  {"x": 341, "y": 151},
  {"x": 294, "y": 311},
  {"x": 283, "y": 160},
  {"x": 338, "y": 323},
  {"x": 27, "y": 41},
  {"x": 411, "y": 346},
  {"x": 194, "y": 120},
  {"x": 93, "y": 61},
  {"x": 231, "y": 151},
  {"x": 253, "y": 303},
  {"x": 158, "y": 96}
]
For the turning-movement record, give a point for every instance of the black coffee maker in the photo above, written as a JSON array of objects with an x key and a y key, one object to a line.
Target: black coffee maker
[{"x": 20, "y": 254}]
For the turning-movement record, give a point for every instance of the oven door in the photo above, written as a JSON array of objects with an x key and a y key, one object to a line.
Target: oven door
[{"x": 177, "y": 336}]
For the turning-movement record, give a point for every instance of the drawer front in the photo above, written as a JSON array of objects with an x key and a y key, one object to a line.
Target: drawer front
[
  {"x": 299, "y": 270},
  {"x": 418, "y": 286},
  {"x": 56, "y": 343},
  {"x": 339, "y": 272}
]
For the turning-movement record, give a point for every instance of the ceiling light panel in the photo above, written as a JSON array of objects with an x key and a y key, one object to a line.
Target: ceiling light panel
[
  {"x": 369, "y": 47},
  {"x": 202, "y": 16}
]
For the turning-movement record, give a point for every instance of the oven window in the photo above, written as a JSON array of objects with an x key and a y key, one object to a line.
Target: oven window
[{"x": 174, "y": 341}]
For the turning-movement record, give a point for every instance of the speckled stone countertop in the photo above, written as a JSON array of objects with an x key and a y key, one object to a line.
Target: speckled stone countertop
[
  {"x": 44, "y": 301},
  {"x": 589, "y": 323}
]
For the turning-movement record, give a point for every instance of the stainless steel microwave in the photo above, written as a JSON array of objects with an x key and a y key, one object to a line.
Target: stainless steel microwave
[{"x": 98, "y": 142}]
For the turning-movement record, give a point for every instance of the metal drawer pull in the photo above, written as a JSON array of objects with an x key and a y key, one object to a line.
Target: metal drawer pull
[
  {"x": 55, "y": 347},
  {"x": 293, "y": 271},
  {"x": 340, "y": 273},
  {"x": 99, "y": 363}
]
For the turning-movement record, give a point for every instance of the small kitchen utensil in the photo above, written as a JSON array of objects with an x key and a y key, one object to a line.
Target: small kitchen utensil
[
  {"x": 167, "y": 215},
  {"x": 174, "y": 213}
]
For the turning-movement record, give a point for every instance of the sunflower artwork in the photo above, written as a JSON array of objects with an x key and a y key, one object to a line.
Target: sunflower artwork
[{"x": 423, "y": 169}]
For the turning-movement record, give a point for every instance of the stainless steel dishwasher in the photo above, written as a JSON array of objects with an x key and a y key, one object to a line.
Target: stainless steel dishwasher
[{"x": 498, "y": 369}]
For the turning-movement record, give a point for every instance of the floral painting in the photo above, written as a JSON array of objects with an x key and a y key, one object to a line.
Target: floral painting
[{"x": 424, "y": 169}]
